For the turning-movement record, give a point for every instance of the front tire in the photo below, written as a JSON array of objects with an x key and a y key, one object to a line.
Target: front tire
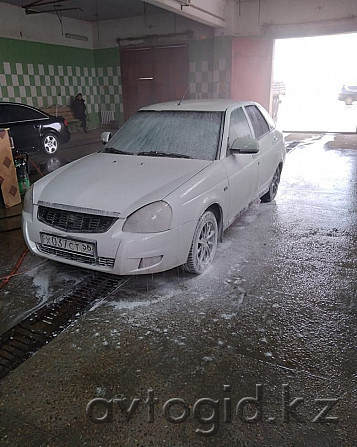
[
  {"x": 273, "y": 187},
  {"x": 348, "y": 100},
  {"x": 50, "y": 143},
  {"x": 204, "y": 244}
]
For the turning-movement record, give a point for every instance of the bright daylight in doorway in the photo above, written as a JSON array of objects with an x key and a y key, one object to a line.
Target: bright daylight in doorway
[{"x": 314, "y": 70}]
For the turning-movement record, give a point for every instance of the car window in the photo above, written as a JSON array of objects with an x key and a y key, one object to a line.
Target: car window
[
  {"x": 189, "y": 133},
  {"x": 238, "y": 126},
  {"x": 260, "y": 126},
  {"x": 268, "y": 118},
  {"x": 13, "y": 113}
]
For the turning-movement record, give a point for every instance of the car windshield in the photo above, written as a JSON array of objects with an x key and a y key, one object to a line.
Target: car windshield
[{"x": 187, "y": 134}]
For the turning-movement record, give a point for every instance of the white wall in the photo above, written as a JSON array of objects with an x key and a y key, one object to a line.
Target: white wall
[
  {"x": 106, "y": 33},
  {"x": 297, "y": 11},
  {"x": 45, "y": 28},
  {"x": 282, "y": 17},
  {"x": 286, "y": 16},
  {"x": 208, "y": 12}
]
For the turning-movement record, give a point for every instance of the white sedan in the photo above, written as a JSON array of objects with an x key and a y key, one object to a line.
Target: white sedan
[{"x": 161, "y": 191}]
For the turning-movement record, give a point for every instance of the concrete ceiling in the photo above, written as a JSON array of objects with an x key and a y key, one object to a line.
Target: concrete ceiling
[{"x": 90, "y": 10}]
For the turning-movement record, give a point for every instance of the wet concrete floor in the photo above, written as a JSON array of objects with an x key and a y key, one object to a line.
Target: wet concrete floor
[{"x": 247, "y": 354}]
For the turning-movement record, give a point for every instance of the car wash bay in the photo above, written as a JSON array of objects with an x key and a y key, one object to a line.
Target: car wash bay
[
  {"x": 273, "y": 319},
  {"x": 257, "y": 351}
]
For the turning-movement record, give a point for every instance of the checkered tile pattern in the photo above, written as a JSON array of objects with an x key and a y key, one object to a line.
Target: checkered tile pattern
[
  {"x": 201, "y": 80},
  {"x": 222, "y": 79},
  {"x": 206, "y": 82},
  {"x": 46, "y": 85}
]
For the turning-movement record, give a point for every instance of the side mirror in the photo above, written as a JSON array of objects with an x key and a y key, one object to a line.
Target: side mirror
[
  {"x": 105, "y": 137},
  {"x": 245, "y": 145}
]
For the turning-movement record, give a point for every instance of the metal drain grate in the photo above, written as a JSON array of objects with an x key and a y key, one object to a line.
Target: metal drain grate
[{"x": 28, "y": 336}]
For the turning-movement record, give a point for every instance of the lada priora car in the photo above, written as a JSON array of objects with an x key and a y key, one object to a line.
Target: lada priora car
[{"x": 161, "y": 191}]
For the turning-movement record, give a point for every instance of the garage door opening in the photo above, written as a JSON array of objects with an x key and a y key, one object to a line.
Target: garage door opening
[
  {"x": 312, "y": 71},
  {"x": 152, "y": 75}
]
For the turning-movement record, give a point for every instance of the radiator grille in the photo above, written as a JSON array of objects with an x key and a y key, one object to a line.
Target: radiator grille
[{"x": 74, "y": 222}]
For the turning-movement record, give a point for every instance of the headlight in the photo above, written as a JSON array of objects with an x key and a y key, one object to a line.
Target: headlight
[
  {"x": 151, "y": 218},
  {"x": 28, "y": 201}
]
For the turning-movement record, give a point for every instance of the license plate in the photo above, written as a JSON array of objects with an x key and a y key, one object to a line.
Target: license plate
[{"x": 70, "y": 245}]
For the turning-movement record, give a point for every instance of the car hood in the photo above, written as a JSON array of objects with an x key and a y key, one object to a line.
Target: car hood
[{"x": 115, "y": 184}]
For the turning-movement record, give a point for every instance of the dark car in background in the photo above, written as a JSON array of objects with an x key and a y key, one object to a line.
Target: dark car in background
[
  {"x": 348, "y": 94},
  {"x": 32, "y": 129}
]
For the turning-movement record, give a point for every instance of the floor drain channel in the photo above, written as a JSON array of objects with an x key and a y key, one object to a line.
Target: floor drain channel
[{"x": 36, "y": 330}]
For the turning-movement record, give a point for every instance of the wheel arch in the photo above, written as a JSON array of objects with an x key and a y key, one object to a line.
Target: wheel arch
[
  {"x": 48, "y": 131},
  {"x": 216, "y": 209}
]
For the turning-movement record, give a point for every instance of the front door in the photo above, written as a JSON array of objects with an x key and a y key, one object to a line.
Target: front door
[{"x": 242, "y": 169}]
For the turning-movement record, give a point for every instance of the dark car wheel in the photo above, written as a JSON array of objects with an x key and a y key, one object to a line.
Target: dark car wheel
[
  {"x": 204, "y": 244},
  {"x": 273, "y": 187},
  {"x": 50, "y": 143},
  {"x": 348, "y": 100}
]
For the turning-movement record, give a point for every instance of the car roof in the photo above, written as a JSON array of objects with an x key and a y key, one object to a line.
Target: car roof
[
  {"x": 9, "y": 103},
  {"x": 14, "y": 103},
  {"x": 205, "y": 105}
]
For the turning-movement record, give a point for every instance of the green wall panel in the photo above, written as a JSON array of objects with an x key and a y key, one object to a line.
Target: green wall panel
[
  {"x": 14, "y": 50},
  {"x": 106, "y": 57},
  {"x": 42, "y": 75},
  {"x": 210, "y": 68},
  {"x": 223, "y": 47},
  {"x": 201, "y": 50}
]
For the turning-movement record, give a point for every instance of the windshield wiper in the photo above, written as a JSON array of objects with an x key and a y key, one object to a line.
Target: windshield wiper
[
  {"x": 112, "y": 150},
  {"x": 163, "y": 154}
]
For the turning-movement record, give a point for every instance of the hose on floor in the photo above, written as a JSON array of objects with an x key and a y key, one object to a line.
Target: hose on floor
[{"x": 15, "y": 269}]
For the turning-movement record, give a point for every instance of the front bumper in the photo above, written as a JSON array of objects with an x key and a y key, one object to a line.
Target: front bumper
[{"x": 116, "y": 252}]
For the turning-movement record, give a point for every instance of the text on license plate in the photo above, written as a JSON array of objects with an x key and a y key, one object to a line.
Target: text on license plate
[{"x": 85, "y": 248}]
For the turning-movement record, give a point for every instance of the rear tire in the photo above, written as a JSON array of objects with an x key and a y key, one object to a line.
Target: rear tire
[
  {"x": 204, "y": 244},
  {"x": 50, "y": 143},
  {"x": 273, "y": 187}
]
